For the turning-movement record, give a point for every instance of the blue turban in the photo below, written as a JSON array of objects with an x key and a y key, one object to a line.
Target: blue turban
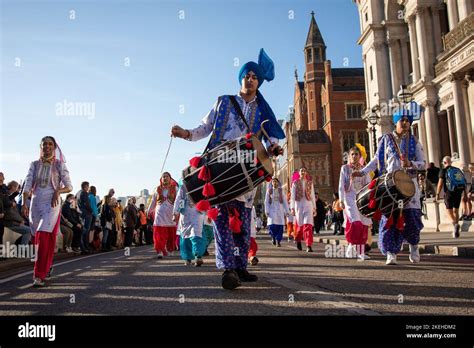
[
  {"x": 265, "y": 70},
  {"x": 397, "y": 116}
]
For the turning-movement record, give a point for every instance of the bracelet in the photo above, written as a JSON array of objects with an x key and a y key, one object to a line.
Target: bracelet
[{"x": 188, "y": 136}]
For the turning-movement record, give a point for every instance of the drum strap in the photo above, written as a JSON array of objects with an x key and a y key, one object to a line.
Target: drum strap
[{"x": 239, "y": 112}]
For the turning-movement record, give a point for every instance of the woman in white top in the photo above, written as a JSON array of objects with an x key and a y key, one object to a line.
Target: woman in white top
[
  {"x": 357, "y": 225},
  {"x": 47, "y": 179},
  {"x": 276, "y": 209},
  {"x": 303, "y": 207}
]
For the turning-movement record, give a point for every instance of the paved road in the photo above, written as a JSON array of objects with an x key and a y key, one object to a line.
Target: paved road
[{"x": 291, "y": 283}]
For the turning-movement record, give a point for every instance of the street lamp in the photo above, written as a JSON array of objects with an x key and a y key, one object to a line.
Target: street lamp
[
  {"x": 373, "y": 120},
  {"x": 404, "y": 95}
]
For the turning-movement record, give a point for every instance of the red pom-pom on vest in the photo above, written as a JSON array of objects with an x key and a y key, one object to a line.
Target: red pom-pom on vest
[
  {"x": 234, "y": 224},
  {"x": 248, "y": 136}
]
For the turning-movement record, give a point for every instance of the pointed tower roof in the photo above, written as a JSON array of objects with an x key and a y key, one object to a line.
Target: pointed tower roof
[{"x": 314, "y": 35}]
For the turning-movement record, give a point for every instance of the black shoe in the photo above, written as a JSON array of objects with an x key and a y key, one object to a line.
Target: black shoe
[
  {"x": 230, "y": 280},
  {"x": 367, "y": 248},
  {"x": 298, "y": 246},
  {"x": 278, "y": 244},
  {"x": 85, "y": 252},
  {"x": 309, "y": 250},
  {"x": 273, "y": 241},
  {"x": 245, "y": 276}
]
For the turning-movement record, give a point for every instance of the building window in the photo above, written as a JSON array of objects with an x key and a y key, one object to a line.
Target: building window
[
  {"x": 366, "y": 16},
  {"x": 348, "y": 140},
  {"x": 317, "y": 55},
  {"x": 324, "y": 115},
  {"x": 363, "y": 139},
  {"x": 312, "y": 116},
  {"x": 354, "y": 111},
  {"x": 309, "y": 55},
  {"x": 310, "y": 95},
  {"x": 371, "y": 74}
]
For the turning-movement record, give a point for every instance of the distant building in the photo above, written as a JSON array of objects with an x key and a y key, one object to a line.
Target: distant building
[{"x": 327, "y": 118}]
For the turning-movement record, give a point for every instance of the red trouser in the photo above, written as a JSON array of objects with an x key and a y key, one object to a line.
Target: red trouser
[
  {"x": 305, "y": 232},
  {"x": 164, "y": 238},
  {"x": 253, "y": 247},
  {"x": 44, "y": 243}
]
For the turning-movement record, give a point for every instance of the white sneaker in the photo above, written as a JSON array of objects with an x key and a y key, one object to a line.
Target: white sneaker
[
  {"x": 349, "y": 251},
  {"x": 171, "y": 253},
  {"x": 391, "y": 259},
  {"x": 69, "y": 250},
  {"x": 363, "y": 257},
  {"x": 38, "y": 283},
  {"x": 160, "y": 255},
  {"x": 414, "y": 254}
]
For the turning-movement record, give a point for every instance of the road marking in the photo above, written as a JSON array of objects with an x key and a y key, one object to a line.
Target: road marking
[
  {"x": 20, "y": 275},
  {"x": 324, "y": 297}
]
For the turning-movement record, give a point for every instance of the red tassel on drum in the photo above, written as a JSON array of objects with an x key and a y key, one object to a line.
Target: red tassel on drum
[
  {"x": 268, "y": 178},
  {"x": 260, "y": 173},
  {"x": 400, "y": 223},
  {"x": 377, "y": 215},
  {"x": 248, "y": 145},
  {"x": 204, "y": 174},
  {"x": 234, "y": 222},
  {"x": 208, "y": 190},
  {"x": 212, "y": 213},
  {"x": 203, "y": 205},
  {"x": 372, "y": 184},
  {"x": 389, "y": 222},
  {"x": 194, "y": 162},
  {"x": 372, "y": 204},
  {"x": 248, "y": 136},
  {"x": 372, "y": 195}
]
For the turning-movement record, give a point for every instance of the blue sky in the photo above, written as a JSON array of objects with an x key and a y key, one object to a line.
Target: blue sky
[{"x": 142, "y": 66}]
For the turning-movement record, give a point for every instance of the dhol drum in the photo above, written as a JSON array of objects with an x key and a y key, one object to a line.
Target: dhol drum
[
  {"x": 391, "y": 189},
  {"x": 236, "y": 167}
]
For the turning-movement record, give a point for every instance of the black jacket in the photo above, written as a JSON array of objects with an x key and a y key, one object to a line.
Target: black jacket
[{"x": 70, "y": 215}]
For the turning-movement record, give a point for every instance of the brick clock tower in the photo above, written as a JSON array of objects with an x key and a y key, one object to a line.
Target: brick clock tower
[{"x": 315, "y": 55}]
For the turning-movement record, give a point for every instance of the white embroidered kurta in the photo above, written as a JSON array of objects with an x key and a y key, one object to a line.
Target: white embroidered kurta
[
  {"x": 191, "y": 221},
  {"x": 163, "y": 211},
  {"x": 303, "y": 208},
  {"x": 43, "y": 181},
  {"x": 230, "y": 133},
  {"x": 276, "y": 211},
  {"x": 392, "y": 163},
  {"x": 347, "y": 194}
]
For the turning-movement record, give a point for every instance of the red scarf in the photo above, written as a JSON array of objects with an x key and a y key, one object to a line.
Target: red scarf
[
  {"x": 299, "y": 189},
  {"x": 171, "y": 192}
]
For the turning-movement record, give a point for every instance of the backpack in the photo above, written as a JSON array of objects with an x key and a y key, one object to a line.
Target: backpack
[{"x": 455, "y": 180}]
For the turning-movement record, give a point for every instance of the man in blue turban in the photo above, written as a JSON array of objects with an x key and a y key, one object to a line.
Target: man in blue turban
[
  {"x": 399, "y": 150},
  {"x": 224, "y": 123}
]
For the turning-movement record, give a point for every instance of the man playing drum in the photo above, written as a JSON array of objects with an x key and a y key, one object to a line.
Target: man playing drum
[
  {"x": 225, "y": 123},
  {"x": 395, "y": 151}
]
